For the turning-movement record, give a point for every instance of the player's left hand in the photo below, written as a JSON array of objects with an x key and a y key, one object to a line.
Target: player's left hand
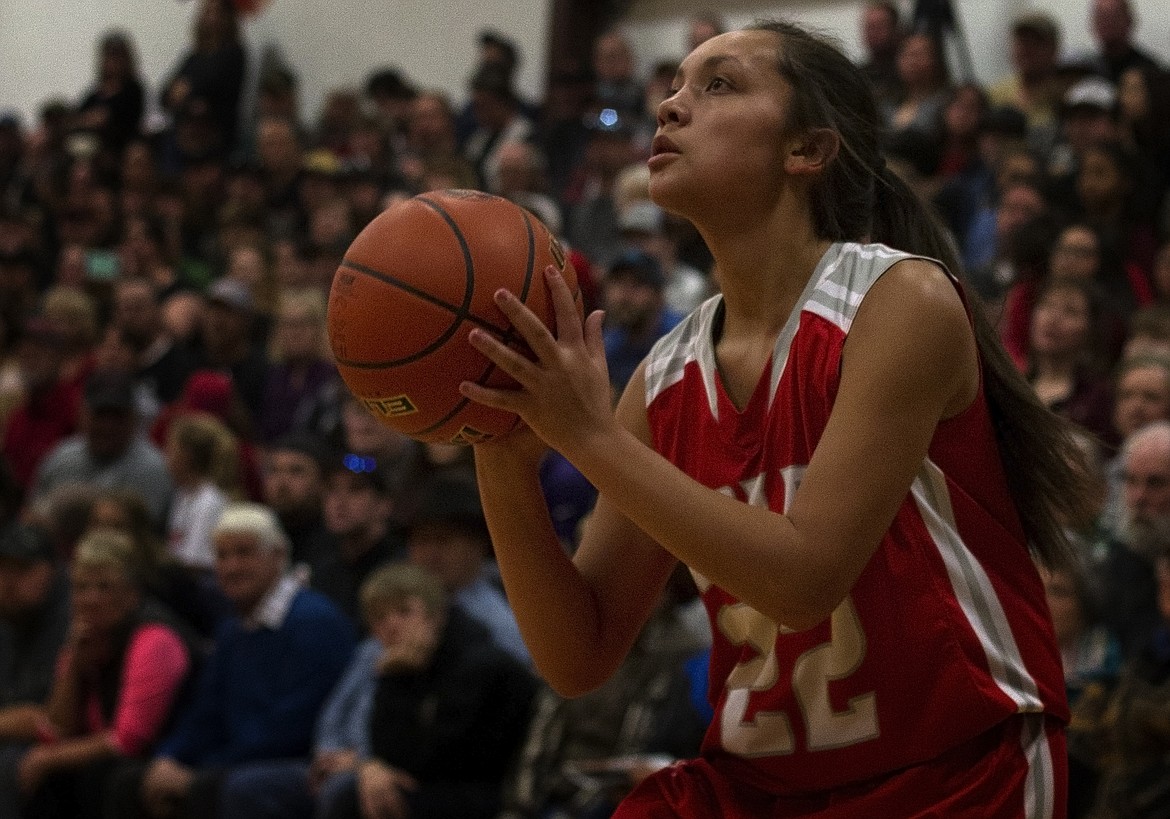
[{"x": 564, "y": 395}]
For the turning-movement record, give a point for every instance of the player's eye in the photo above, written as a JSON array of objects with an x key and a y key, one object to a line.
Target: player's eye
[{"x": 716, "y": 83}]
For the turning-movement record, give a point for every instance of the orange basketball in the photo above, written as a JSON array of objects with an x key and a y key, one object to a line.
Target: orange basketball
[{"x": 412, "y": 285}]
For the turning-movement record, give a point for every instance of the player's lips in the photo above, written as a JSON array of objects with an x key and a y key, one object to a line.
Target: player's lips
[{"x": 662, "y": 145}]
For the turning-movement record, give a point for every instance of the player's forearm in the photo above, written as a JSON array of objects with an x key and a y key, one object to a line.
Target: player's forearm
[
  {"x": 753, "y": 553},
  {"x": 554, "y": 606}
]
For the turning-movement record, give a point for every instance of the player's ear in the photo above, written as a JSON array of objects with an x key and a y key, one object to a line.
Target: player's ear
[{"x": 812, "y": 151}]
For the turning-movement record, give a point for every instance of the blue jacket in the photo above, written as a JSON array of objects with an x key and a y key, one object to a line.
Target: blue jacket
[{"x": 260, "y": 691}]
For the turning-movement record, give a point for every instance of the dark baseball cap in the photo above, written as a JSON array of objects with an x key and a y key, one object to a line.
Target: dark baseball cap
[
  {"x": 24, "y": 543},
  {"x": 313, "y": 446},
  {"x": 639, "y": 266}
]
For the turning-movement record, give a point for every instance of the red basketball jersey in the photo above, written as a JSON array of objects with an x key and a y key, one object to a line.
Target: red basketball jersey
[{"x": 946, "y": 632}]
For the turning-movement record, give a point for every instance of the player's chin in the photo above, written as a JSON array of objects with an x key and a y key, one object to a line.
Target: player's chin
[{"x": 672, "y": 191}]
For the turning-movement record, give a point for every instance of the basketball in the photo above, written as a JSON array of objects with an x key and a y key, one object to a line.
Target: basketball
[{"x": 411, "y": 287}]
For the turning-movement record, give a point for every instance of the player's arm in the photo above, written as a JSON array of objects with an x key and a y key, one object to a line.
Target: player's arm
[
  {"x": 580, "y": 615},
  {"x": 910, "y": 361}
]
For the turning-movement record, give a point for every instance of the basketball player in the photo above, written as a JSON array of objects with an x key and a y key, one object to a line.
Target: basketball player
[{"x": 850, "y": 467}]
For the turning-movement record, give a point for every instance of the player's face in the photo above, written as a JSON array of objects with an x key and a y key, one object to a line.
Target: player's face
[{"x": 720, "y": 132}]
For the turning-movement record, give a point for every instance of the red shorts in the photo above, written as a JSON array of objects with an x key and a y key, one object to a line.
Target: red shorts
[{"x": 1018, "y": 770}]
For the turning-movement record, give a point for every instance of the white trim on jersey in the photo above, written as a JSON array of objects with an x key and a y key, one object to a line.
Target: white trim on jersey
[
  {"x": 1040, "y": 781},
  {"x": 687, "y": 342},
  {"x": 974, "y": 592}
]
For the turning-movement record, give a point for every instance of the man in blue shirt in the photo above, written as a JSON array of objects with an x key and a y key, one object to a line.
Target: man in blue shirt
[
  {"x": 259, "y": 693},
  {"x": 636, "y": 314}
]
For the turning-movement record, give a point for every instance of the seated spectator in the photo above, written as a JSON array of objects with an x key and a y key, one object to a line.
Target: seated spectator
[
  {"x": 201, "y": 459},
  {"x": 617, "y": 88},
  {"x": 294, "y": 488},
  {"x": 34, "y": 621},
  {"x": 499, "y": 120},
  {"x": 357, "y": 508},
  {"x": 402, "y": 458},
  {"x": 922, "y": 71},
  {"x": 49, "y": 410},
  {"x": 258, "y": 695},
  {"x": 636, "y": 315},
  {"x": 448, "y": 536},
  {"x": 644, "y": 227},
  {"x": 1123, "y": 565},
  {"x": 1033, "y": 87},
  {"x": 1062, "y": 347},
  {"x": 1123, "y": 734},
  {"x": 583, "y": 755},
  {"x": 1085, "y": 118},
  {"x": 1113, "y": 198},
  {"x": 163, "y": 578},
  {"x": 118, "y": 676},
  {"x": 1092, "y": 660},
  {"x": 881, "y": 33},
  {"x": 74, "y": 314},
  {"x": 1141, "y": 395},
  {"x": 1148, "y": 333},
  {"x": 108, "y": 452},
  {"x": 1089, "y": 652},
  {"x": 424, "y": 723},
  {"x": 208, "y": 392},
  {"x": 226, "y": 341},
  {"x": 162, "y": 362},
  {"x": 302, "y": 379},
  {"x": 591, "y": 216}
]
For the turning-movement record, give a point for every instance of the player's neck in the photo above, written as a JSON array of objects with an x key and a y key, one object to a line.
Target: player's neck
[{"x": 761, "y": 281}]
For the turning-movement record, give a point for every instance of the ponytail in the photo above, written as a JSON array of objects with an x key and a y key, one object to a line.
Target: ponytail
[{"x": 1045, "y": 469}]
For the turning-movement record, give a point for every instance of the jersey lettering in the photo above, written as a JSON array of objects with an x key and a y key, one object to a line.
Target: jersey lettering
[{"x": 769, "y": 733}]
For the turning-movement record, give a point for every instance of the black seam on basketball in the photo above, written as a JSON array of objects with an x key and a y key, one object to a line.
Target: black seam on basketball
[
  {"x": 422, "y": 294},
  {"x": 462, "y": 402},
  {"x": 510, "y": 334}
]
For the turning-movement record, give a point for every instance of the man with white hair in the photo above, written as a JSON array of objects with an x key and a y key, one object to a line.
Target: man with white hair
[
  {"x": 258, "y": 695},
  {"x": 1126, "y": 573}
]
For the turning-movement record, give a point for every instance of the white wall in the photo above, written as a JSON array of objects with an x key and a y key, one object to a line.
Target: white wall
[
  {"x": 658, "y": 27},
  {"x": 47, "y": 47}
]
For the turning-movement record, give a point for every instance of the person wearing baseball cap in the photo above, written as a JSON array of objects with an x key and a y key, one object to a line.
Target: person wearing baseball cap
[
  {"x": 1033, "y": 87},
  {"x": 227, "y": 340},
  {"x": 636, "y": 314},
  {"x": 109, "y": 451},
  {"x": 357, "y": 506},
  {"x": 448, "y": 536}
]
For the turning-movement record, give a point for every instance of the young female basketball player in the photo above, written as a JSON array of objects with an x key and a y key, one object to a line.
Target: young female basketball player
[{"x": 855, "y": 476}]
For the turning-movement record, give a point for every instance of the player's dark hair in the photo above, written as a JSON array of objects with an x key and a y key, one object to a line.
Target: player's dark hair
[{"x": 859, "y": 199}]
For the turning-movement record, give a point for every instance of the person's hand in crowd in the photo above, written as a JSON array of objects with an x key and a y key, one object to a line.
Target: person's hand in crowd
[
  {"x": 382, "y": 789},
  {"x": 33, "y": 767},
  {"x": 327, "y": 763},
  {"x": 165, "y": 784}
]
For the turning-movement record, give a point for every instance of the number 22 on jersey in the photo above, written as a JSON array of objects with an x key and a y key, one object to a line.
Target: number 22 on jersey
[{"x": 769, "y": 733}]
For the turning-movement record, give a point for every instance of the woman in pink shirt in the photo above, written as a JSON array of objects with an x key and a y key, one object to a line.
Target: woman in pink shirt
[{"x": 118, "y": 676}]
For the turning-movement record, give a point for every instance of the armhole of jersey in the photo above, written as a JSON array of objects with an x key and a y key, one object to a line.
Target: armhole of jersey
[{"x": 968, "y": 309}]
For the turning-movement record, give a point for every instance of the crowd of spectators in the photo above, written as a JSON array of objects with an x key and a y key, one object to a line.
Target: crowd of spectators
[{"x": 186, "y": 487}]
